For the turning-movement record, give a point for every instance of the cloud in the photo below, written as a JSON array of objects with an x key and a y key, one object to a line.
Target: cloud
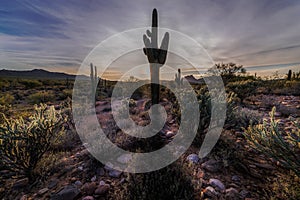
[{"x": 59, "y": 34}]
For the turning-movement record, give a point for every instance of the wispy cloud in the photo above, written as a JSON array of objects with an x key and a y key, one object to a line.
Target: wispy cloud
[{"x": 57, "y": 35}]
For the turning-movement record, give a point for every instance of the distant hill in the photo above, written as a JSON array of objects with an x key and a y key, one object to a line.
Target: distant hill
[
  {"x": 193, "y": 80},
  {"x": 37, "y": 73}
]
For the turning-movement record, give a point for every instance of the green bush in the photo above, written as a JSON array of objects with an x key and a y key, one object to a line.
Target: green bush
[
  {"x": 243, "y": 89},
  {"x": 6, "y": 99},
  {"x": 243, "y": 117},
  {"x": 41, "y": 97},
  {"x": 284, "y": 147},
  {"x": 24, "y": 142},
  {"x": 30, "y": 83}
]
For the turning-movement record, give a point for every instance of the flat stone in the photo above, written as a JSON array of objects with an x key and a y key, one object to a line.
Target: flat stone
[
  {"x": 194, "y": 158},
  {"x": 124, "y": 159},
  {"x": 231, "y": 193},
  {"x": 114, "y": 173},
  {"x": 69, "y": 192},
  {"x": 89, "y": 188},
  {"x": 216, "y": 183},
  {"x": 211, "y": 192},
  {"x": 244, "y": 194},
  {"x": 211, "y": 165},
  {"x": 88, "y": 198},
  {"x": 52, "y": 183},
  {"x": 102, "y": 189},
  {"x": 78, "y": 183},
  {"x": 108, "y": 166},
  {"x": 21, "y": 183},
  {"x": 235, "y": 178},
  {"x": 43, "y": 191}
]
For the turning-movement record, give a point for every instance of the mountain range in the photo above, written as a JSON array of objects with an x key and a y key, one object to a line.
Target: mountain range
[
  {"x": 44, "y": 74},
  {"x": 37, "y": 73}
]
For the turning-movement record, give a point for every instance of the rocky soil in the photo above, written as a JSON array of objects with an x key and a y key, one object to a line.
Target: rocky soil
[{"x": 232, "y": 171}]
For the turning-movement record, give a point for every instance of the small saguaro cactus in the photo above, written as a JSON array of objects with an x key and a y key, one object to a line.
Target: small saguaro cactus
[
  {"x": 94, "y": 81},
  {"x": 178, "y": 78},
  {"x": 289, "y": 75},
  {"x": 156, "y": 57}
]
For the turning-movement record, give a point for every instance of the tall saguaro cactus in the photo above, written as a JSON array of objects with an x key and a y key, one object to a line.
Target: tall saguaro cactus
[
  {"x": 156, "y": 56},
  {"x": 94, "y": 81}
]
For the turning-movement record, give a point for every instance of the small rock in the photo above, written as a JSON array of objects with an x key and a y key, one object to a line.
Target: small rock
[
  {"x": 210, "y": 191},
  {"x": 102, "y": 189},
  {"x": 211, "y": 165},
  {"x": 108, "y": 166},
  {"x": 124, "y": 159},
  {"x": 89, "y": 188},
  {"x": 94, "y": 178},
  {"x": 115, "y": 173},
  {"x": 277, "y": 114},
  {"x": 194, "y": 158},
  {"x": 101, "y": 183},
  {"x": 69, "y": 192},
  {"x": 78, "y": 183},
  {"x": 231, "y": 193},
  {"x": 235, "y": 178},
  {"x": 244, "y": 194},
  {"x": 43, "y": 191},
  {"x": 122, "y": 181},
  {"x": 216, "y": 183},
  {"x": 100, "y": 172},
  {"x": 80, "y": 168},
  {"x": 21, "y": 183},
  {"x": 88, "y": 198},
  {"x": 170, "y": 134},
  {"x": 52, "y": 183}
]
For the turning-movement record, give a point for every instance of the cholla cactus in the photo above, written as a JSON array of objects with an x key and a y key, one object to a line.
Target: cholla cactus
[
  {"x": 281, "y": 146},
  {"x": 178, "y": 78},
  {"x": 23, "y": 143}
]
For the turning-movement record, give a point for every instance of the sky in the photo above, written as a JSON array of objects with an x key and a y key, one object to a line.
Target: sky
[{"x": 58, "y": 35}]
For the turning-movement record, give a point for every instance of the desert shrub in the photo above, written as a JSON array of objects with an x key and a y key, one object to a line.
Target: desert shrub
[
  {"x": 282, "y": 146},
  {"x": 6, "y": 99},
  {"x": 4, "y": 83},
  {"x": 66, "y": 93},
  {"x": 23, "y": 143},
  {"x": 41, "y": 97},
  {"x": 285, "y": 186},
  {"x": 243, "y": 117},
  {"x": 30, "y": 83},
  {"x": 172, "y": 182},
  {"x": 205, "y": 109},
  {"x": 50, "y": 163},
  {"x": 243, "y": 89}
]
